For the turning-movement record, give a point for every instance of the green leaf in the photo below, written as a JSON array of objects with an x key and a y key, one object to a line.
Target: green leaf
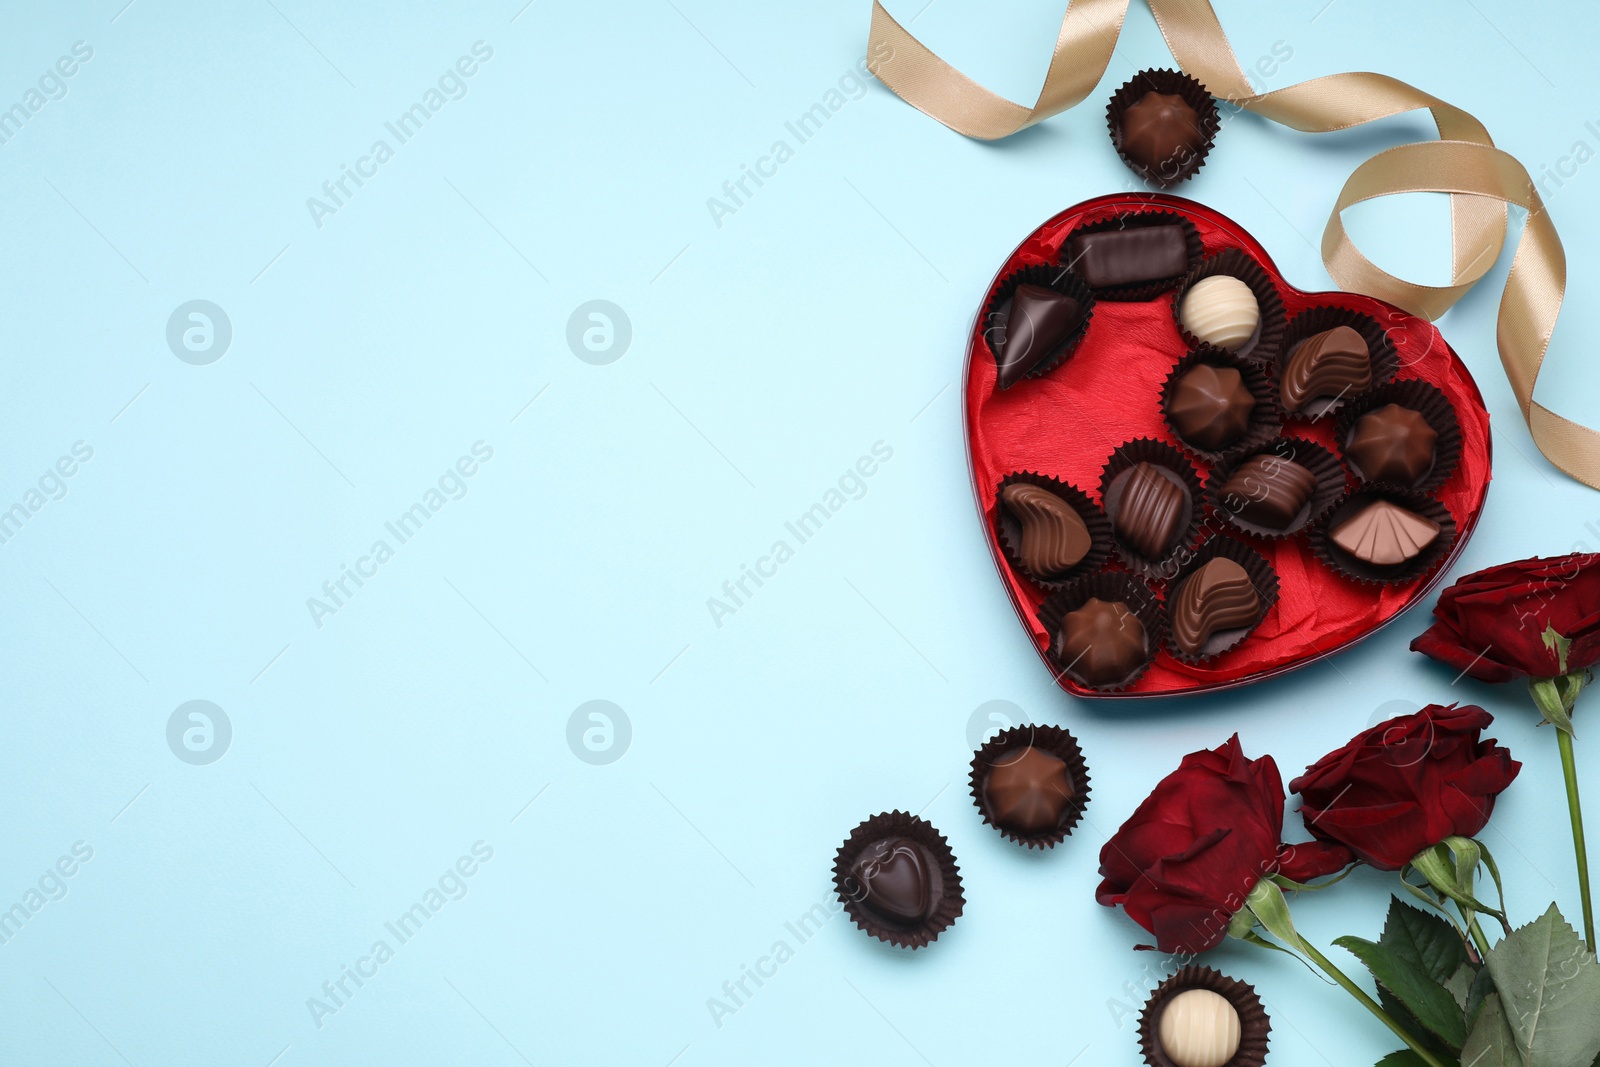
[
  {"x": 1429, "y": 1001},
  {"x": 1267, "y": 904},
  {"x": 1404, "y": 1058},
  {"x": 1550, "y": 986},
  {"x": 1441, "y": 866},
  {"x": 1419, "y": 1033},
  {"x": 1424, "y": 940},
  {"x": 1557, "y": 644},
  {"x": 1492, "y": 1043},
  {"x": 1459, "y": 984},
  {"x": 1547, "y": 698}
]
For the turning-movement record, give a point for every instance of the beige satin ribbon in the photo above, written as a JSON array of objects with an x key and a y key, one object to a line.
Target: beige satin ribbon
[{"x": 1479, "y": 178}]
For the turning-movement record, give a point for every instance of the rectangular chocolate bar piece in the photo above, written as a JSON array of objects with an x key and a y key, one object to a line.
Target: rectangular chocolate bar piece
[{"x": 1128, "y": 257}]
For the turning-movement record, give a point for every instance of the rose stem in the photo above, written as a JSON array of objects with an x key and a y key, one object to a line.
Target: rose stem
[
  {"x": 1478, "y": 937},
  {"x": 1367, "y": 1002},
  {"x": 1569, "y": 769}
]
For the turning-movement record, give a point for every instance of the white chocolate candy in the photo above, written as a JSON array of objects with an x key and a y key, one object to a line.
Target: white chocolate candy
[
  {"x": 1221, "y": 310},
  {"x": 1199, "y": 1028}
]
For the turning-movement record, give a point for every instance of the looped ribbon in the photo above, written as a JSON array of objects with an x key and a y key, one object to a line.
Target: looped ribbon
[{"x": 1479, "y": 178}]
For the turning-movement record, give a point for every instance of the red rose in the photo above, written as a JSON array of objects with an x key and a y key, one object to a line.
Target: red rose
[
  {"x": 1407, "y": 784},
  {"x": 1184, "y": 862},
  {"x": 1491, "y": 624}
]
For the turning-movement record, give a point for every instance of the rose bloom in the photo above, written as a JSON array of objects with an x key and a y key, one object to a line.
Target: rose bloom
[
  {"x": 1407, "y": 784},
  {"x": 1491, "y": 624},
  {"x": 1184, "y": 862}
]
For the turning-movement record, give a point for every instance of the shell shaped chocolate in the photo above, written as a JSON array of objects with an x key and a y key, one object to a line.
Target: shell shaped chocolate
[
  {"x": 1221, "y": 310},
  {"x": 1054, "y": 537},
  {"x": 1384, "y": 534},
  {"x": 1331, "y": 364}
]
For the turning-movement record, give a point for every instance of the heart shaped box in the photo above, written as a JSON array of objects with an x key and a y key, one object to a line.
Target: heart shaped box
[{"x": 1066, "y": 422}]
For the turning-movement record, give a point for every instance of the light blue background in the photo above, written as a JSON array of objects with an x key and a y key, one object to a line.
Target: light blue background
[{"x": 768, "y": 353}]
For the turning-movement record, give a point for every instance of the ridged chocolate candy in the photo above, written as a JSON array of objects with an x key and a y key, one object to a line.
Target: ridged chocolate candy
[
  {"x": 1210, "y": 406},
  {"x": 1103, "y": 642},
  {"x": 1218, "y": 596},
  {"x": 1384, "y": 534},
  {"x": 1152, "y": 511},
  {"x": 1221, "y": 310},
  {"x": 1327, "y": 365},
  {"x": 1268, "y": 491},
  {"x": 1392, "y": 444},
  {"x": 1041, "y": 320},
  {"x": 1054, "y": 537},
  {"x": 1199, "y": 1028}
]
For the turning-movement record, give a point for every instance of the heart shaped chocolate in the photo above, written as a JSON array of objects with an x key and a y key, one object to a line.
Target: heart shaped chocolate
[
  {"x": 894, "y": 880},
  {"x": 1068, "y": 422}
]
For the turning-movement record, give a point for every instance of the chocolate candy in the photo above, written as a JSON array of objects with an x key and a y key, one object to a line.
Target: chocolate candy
[
  {"x": 1102, "y": 642},
  {"x": 1203, "y": 1018},
  {"x": 1132, "y": 256},
  {"x": 898, "y": 880},
  {"x": 1326, "y": 366},
  {"x": 1199, "y": 1028},
  {"x": 1029, "y": 791},
  {"x": 1210, "y": 406},
  {"x": 1220, "y": 310},
  {"x": 894, "y": 879},
  {"x": 1268, "y": 491},
  {"x": 1152, "y": 510},
  {"x": 1054, "y": 537},
  {"x": 1218, "y": 596},
  {"x": 1392, "y": 444},
  {"x": 1160, "y": 130},
  {"x": 1384, "y": 534},
  {"x": 1040, "y": 322}
]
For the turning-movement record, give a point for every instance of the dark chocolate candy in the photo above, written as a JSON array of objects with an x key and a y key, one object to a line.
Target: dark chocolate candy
[
  {"x": 1102, "y": 642},
  {"x": 1129, "y": 257},
  {"x": 1218, "y": 596},
  {"x": 1040, "y": 321},
  {"x": 1384, "y": 534},
  {"x": 1054, "y": 537},
  {"x": 895, "y": 879},
  {"x": 1328, "y": 365},
  {"x": 1028, "y": 791},
  {"x": 1392, "y": 444},
  {"x": 1210, "y": 406},
  {"x": 1152, "y": 511},
  {"x": 1160, "y": 129},
  {"x": 1268, "y": 491}
]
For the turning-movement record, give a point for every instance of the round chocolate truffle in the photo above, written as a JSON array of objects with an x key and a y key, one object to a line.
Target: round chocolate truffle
[
  {"x": 1211, "y": 406},
  {"x": 1160, "y": 130},
  {"x": 1102, "y": 642},
  {"x": 1392, "y": 444},
  {"x": 1221, "y": 310},
  {"x": 1199, "y": 1028}
]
